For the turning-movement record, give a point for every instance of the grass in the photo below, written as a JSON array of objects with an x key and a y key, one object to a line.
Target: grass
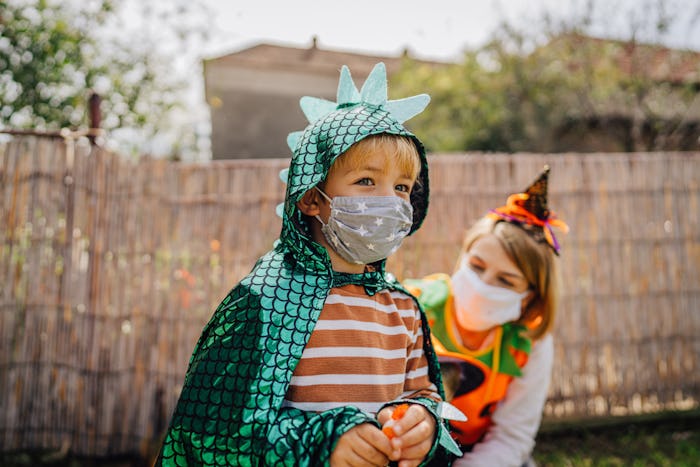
[{"x": 672, "y": 441}]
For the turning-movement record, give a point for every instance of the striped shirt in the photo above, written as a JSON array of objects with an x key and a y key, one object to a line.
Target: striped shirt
[{"x": 364, "y": 351}]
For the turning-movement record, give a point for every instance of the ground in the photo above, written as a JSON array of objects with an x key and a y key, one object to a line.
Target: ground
[{"x": 671, "y": 441}]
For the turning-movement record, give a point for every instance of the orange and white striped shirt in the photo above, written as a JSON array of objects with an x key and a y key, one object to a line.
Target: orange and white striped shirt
[{"x": 364, "y": 351}]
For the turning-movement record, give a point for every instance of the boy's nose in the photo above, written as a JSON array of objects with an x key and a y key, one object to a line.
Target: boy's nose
[{"x": 386, "y": 191}]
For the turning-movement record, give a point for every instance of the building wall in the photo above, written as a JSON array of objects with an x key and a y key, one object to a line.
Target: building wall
[
  {"x": 253, "y": 110},
  {"x": 253, "y": 94}
]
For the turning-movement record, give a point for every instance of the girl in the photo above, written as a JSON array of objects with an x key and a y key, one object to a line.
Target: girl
[{"x": 491, "y": 323}]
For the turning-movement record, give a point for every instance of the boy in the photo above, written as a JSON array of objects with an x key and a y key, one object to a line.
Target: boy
[{"x": 308, "y": 356}]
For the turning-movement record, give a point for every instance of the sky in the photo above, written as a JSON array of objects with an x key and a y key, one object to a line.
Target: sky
[
  {"x": 434, "y": 29},
  {"x": 429, "y": 29},
  {"x": 438, "y": 29}
]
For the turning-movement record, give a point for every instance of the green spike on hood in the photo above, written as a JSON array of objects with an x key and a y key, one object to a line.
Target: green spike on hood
[
  {"x": 315, "y": 108},
  {"x": 334, "y": 127},
  {"x": 347, "y": 91},
  {"x": 374, "y": 92}
]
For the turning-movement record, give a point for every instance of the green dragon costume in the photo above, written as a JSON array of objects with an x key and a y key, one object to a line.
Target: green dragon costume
[{"x": 230, "y": 408}]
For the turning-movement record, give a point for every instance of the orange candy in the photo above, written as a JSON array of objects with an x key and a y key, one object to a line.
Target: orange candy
[{"x": 397, "y": 414}]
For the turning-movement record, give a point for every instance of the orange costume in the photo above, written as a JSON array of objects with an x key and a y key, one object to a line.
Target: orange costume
[{"x": 484, "y": 375}]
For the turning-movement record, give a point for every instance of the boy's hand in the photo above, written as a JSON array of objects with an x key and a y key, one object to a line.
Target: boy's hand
[
  {"x": 413, "y": 432},
  {"x": 363, "y": 446}
]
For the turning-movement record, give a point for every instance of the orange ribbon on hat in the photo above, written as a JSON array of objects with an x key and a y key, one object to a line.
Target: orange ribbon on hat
[{"x": 515, "y": 212}]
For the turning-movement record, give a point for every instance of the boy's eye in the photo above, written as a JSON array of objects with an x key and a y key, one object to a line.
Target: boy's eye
[
  {"x": 403, "y": 188},
  {"x": 476, "y": 267},
  {"x": 365, "y": 181}
]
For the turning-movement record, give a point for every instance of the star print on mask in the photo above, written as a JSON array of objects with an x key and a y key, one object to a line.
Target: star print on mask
[{"x": 365, "y": 229}]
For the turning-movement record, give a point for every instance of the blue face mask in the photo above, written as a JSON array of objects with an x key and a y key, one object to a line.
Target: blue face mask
[{"x": 365, "y": 229}]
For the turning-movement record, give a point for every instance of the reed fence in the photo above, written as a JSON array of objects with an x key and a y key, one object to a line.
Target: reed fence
[{"x": 110, "y": 267}]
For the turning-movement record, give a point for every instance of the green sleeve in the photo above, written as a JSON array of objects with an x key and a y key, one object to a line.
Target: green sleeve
[
  {"x": 299, "y": 438},
  {"x": 294, "y": 438}
]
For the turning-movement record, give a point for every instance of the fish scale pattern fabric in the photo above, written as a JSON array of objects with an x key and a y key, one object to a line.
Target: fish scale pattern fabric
[{"x": 230, "y": 408}]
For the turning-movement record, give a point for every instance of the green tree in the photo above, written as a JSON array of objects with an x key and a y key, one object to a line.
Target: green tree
[
  {"x": 540, "y": 88},
  {"x": 54, "y": 54}
]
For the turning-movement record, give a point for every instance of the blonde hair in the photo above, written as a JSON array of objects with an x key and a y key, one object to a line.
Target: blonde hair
[
  {"x": 402, "y": 148},
  {"x": 535, "y": 260}
]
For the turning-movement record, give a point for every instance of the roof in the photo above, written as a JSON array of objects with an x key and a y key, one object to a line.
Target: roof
[{"x": 313, "y": 59}]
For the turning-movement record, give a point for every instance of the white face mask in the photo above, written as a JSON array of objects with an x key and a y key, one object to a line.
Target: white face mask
[{"x": 480, "y": 306}]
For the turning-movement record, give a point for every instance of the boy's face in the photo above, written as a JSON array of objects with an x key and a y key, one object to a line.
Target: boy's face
[{"x": 377, "y": 175}]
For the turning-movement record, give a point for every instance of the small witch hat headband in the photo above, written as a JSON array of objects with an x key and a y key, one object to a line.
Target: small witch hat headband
[{"x": 529, "y": 210}]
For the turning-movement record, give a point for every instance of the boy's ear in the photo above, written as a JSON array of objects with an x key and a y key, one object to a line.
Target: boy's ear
[{"x": 308, "y": 204}]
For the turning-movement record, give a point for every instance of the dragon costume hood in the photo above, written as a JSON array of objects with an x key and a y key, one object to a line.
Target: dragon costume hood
[
  {"x": 230, "y": 407},
  {"x": 333, "y": 128}
]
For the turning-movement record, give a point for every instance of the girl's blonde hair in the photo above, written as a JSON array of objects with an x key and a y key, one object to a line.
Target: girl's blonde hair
[
  {"x": 537, "y": 263},
  {"x": 401, "y": 147}
]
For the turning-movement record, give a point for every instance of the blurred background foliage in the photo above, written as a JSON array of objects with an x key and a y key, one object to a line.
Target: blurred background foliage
[
  {"x": 53, "y": 54},
  {"x": 527, "y": 86}
]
